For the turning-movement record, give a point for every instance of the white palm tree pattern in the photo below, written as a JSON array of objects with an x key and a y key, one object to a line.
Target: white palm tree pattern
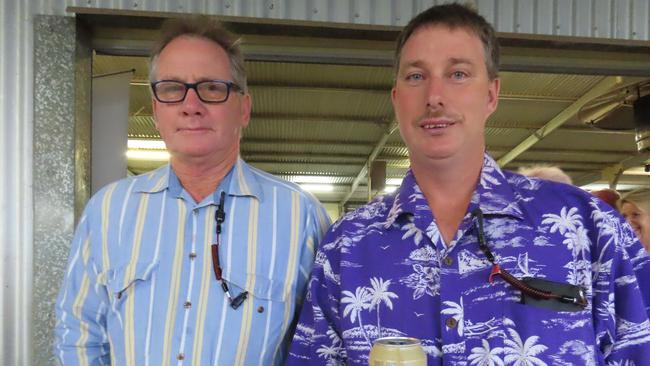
[
  {"x": 457, "y": 313},
  {"x": 356, "y": 303},
  {"x": 486, "y": 356},
  {"x": 523, "y": 353},
  {"x": 379, "y": 295},
  {"x": 384, "y": 270}
]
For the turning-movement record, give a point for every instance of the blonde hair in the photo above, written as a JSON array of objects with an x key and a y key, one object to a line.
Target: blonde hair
[
  {"x": 638, "y": 197},
  {"x": 548, "y": 172}
]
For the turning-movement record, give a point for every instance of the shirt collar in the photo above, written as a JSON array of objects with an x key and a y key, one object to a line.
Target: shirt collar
[
  {"x": 493, "y": 195},
  {"x": 240, "y": 181}
]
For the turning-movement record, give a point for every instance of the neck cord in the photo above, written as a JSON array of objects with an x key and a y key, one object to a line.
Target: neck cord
[{"x": 220, "y": 217}]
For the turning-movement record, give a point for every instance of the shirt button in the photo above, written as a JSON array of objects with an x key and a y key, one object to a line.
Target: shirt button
[
  {"x": 192, "y": 255},
  {"x": 260, "y": 309},
  {"x": 187, "y": 305},
  {"x": 451, "y": 322},
  {"x": 180, "y": 356},
  {"x": 448, "y": 261}
]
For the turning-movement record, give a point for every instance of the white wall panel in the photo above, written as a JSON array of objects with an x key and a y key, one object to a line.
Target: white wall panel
[
  {"x": 563, "y": 20},
  {"x": 602, "y": 19},
  {"x": 15, "y": 182},
  {"x": 622, "y": 14},
  {"x": 525, "y": 16},
  {"x": 640, "y": 19},
  {"x": 505, "y": 15},
  {"x": 544, "y": 17},
  {"x": 583, "y": 20}
]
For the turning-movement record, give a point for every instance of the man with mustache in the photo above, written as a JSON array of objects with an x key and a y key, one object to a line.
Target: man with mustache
[
  {"x": 483, "y": 266},
  {"x": 205, "y": 260}
]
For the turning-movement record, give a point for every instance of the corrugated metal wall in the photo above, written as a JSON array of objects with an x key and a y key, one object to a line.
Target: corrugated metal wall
[
  {"x": 618, "y": 19},
  {"x": 621, "y": 19}
]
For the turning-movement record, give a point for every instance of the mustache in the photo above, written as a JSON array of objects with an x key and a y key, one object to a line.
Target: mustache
[{"x": 439, "y": 114}]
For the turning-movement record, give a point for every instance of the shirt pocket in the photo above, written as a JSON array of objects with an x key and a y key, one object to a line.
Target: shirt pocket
[
  {"x": 266, "y": 310},
  {"x": 258, "y": 286},
  {"x": 125, "y": 280}
]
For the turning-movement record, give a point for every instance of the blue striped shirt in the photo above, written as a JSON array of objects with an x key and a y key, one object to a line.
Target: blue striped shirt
[{"x": 140, "y": 288}]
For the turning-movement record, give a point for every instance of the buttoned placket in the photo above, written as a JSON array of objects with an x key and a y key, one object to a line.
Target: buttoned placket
[
  {"x": 452, "y": 332},
  {"x": 187, "y": 303}
]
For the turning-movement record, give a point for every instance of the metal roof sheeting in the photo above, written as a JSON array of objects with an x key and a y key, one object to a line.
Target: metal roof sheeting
[{"x": 618, "y": 19}]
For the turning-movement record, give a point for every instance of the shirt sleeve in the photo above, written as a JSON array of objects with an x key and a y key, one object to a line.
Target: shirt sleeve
[
  {"x": 80, "y": 336},
  {"x": 640, "y": 261},
  {"x": 317, "y": 340},
  {"x": 621, "y": 320},
  {"x": 316, "y": 224}
]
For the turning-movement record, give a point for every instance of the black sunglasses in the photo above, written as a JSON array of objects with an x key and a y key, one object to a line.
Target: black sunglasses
[{"x": 535, "y": 292}]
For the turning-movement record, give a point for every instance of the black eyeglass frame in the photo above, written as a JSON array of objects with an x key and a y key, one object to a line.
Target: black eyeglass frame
[{"x": 230, "y": 85}]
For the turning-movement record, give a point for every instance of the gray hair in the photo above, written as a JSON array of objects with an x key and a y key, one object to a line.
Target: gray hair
[
  {"x": 548, "y": 172},
  {"x": 205, "y": 27}
]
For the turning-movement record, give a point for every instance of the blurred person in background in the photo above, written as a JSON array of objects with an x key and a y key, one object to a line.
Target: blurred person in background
[
  {"x": 548, "y": 172},
  {"x": 635, "y": 207},
  {"x": 608, "y": 195}
]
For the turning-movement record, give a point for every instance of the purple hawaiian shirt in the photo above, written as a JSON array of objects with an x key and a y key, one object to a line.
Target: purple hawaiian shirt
[{"x": 384, "y": 270}]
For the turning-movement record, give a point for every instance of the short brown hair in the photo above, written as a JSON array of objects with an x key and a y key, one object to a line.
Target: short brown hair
[
  {"x": 455, "y": 16},
  {"x": 209, "y": 28}
]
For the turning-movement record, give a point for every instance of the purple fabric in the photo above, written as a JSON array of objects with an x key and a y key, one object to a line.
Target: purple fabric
[{"x": 384, "y": 270}]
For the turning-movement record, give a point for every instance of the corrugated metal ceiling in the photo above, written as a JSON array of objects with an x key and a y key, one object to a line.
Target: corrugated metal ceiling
[{"x": 324, "y": 120}]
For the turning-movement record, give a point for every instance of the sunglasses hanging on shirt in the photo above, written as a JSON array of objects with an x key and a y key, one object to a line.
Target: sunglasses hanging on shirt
[
  {"x": 220, "y": 217},
  {"x": 534, "y": 291}
]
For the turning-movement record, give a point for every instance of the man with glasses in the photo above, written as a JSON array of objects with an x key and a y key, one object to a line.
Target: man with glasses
[
  {"x": 203, "y": 261},
  {"x": 485, "y": 267}
]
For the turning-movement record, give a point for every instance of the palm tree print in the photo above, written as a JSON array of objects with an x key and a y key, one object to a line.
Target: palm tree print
[
  {"x": 566, "y": 221},
  {"x": 328, "y": 352},
  {"x": 569, "y": 224},
  {"x": 379, "y": 294},
  {"x": 520, "y": 353},
  {"x": 357, "y": 302},
  {"x": 457, "y": 312},
  {"x": 484, "y": 356}
]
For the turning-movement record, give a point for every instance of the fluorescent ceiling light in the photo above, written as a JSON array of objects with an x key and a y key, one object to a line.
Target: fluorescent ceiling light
[
  {"x": 146, "y": 144},
  {"x": 599, "y": 186},
  {"x": 394, "y": 181},
  {"x": 317, "y": 187},
  {"x": 390, "y": 189},
  {"x": 316, "y": 179},
  {"x": 636, "y": 171},
  {"x": 153, "y": 155}
]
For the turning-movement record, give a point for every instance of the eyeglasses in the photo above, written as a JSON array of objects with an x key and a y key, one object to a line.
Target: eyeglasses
[
  {"x": 536, "y": 293},
  {"x": 220, "y": 217},
  {"x": 209, "y": 91}
]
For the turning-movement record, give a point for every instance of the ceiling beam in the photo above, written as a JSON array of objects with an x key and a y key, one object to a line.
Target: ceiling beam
[
  {"x": 565, "y": 152},
  {"x": 584, "y": 130},
  {"x": 383, "y": 91},
  {"x": 373, "y": 155},
  {"x": 606, "y": 84},
  {"x": 564, "y": 165},
  {"x": 359, "y": 144},
  {"x": 610, "y": 172}
]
